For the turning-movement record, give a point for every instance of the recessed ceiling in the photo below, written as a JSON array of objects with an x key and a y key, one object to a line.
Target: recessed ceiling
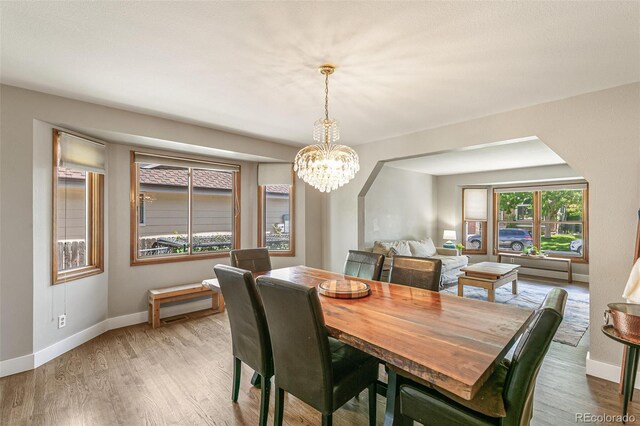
[
  {"x": 527, "y": 153},
  {"x": 251, "y": 67}
]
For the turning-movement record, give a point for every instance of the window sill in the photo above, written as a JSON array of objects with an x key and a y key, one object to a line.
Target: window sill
[
  {"x": 87, "y": 271},
  {"x": 178, "y": 258}
]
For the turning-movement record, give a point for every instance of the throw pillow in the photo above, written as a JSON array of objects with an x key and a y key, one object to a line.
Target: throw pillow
[
  {"x": 402, "y": 247},
  {"x": 381, "y": 248},
  {"x": 423, "y": 248}
]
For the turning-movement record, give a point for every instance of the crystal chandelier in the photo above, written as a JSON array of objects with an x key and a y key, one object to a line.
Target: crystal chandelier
[{"x": 326, "y": 165}]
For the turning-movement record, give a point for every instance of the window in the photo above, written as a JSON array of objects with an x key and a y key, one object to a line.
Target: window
[
  {"x": 78, "y": 187},
  {"x": 183, "y": 209},
  {"x": 474, "y": 220},
  {"x": 551, "y": 218},
  {"x": 276, "y": 208}
]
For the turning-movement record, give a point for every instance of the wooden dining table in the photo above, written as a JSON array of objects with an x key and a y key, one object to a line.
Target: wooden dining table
[{"x": 452, "y": 342}]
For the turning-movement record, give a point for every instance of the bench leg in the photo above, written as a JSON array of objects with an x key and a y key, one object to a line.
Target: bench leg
[
  {"x": 150, "y": 314},
  {"x": 570, "y": 273},
  {"x": 156, "y": 314}
]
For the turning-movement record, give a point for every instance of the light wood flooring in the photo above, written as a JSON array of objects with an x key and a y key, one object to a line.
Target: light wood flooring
[{"x": 180, "y": 374}]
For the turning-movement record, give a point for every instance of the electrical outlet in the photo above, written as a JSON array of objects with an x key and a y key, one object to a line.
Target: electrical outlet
[{"x": 62, "y": 320}]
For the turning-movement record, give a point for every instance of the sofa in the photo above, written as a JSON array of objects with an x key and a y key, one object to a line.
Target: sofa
[{"x": 451, "y": 261}]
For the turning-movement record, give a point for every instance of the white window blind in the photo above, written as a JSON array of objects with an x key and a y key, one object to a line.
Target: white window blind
[
  {"x": 475, "y": 204},
  {"x": 554, "y": 187},
  {"x": 81, "y": 154},
  {"x": 140, "y": 157},
  {"x": 274, "y": 173}
]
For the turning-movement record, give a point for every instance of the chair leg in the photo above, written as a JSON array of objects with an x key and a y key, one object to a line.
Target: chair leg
[
  {"x": 264, "y": 400},
  {"x": 327, "y": 419},
  {"x": 237, "y": 369},
  {"x": 372, "y": 404},
  {"x": 255, "y": 379},
  {"x": 279, "y": 409}
]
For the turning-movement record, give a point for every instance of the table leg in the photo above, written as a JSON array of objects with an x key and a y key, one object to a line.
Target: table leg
[
  {"x": 156, "y": 314},
  {"x": 491, "y": 295},
  {"x": 514, "y": 286},
  {"x": 460, "y": 289},
  {"x": 634, "y": 374},
  {"x": 392, "y": 411},
  {"x": 628, "y": 379}
]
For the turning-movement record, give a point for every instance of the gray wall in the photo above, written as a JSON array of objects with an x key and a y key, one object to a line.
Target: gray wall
[
  {"x": 596, "y": 133},
  {"x": 449, "y": 193},
  {"x": 400, "y": 204},
  {"x": 29, "y": 305}
]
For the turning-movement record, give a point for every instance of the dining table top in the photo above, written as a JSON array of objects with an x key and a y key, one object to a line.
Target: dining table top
[{"x": 452, "y": 342}]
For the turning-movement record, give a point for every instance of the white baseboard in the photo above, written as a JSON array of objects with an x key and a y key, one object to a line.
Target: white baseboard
[
  {"x": 16, "y": 365},
  {"x": 606, "y": 371},
  {"x": 36, "y": 359}
]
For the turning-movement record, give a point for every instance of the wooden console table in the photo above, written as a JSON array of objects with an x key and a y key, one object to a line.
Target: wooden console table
[{"x": 561, "y": 260}]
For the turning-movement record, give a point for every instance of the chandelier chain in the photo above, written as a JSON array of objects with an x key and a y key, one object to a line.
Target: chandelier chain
[{"x": 326, "y": 97}]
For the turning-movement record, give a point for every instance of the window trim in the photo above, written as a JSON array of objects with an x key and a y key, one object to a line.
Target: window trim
[
  {"x": 483, "y": 249},
  {"x": 292, "y": 220},
  {"x": 537, "y": 190},
  {"x": 133, "y": 216},
  {"x": 95, "y": 222}
]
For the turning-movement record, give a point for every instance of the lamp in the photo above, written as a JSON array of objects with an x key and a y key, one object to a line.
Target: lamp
[
  {"x": 449, "y": 235},
  {"x": 326, "y": 165}
]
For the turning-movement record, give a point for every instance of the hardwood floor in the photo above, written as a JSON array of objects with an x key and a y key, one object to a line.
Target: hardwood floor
[{"x": 181, "y": 374}]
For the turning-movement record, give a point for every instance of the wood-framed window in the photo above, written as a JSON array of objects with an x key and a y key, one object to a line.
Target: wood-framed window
[
  {"x": 276, "y": 208},
  {"x": 475, "y": 203},
  {"x": 77, "y": 207},
  {"x": 552, "y": 218},
  {"x": 182, "y": 208}
]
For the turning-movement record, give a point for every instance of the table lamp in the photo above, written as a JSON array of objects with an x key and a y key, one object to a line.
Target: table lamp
[{"x": 449, "y": 235}]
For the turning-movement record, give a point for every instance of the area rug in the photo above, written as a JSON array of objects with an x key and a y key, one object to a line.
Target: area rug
[{"x": 530, "y": 295}]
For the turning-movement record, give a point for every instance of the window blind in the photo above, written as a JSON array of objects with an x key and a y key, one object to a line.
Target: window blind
[
  {"x": 475, "y": 204},
  {"x": 274, "y": 173},
  {"x": 79, "y": 153},
  {"x": 165, "y": 160},
  {"x": 553, "y": 187}
]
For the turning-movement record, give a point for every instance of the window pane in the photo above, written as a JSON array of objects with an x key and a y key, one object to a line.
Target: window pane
[
  {"x": 561, "y": 238},
  {"x": 166, "y": 208},
  {"x": 515, "y": 206},
  {"x": 71, "y": 224},
  {"x": 212, "y": 210},
  {"x": 277, "y": 217},
  {"x": 514, "y": 236},
  {"x": 473, "y": 235},
  {"x": 563, "y": 205}
]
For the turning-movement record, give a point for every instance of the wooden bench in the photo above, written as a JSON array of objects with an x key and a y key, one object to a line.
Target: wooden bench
[
  {"x": 539, "y": 263},
  {"x": 177, "y": 293}
]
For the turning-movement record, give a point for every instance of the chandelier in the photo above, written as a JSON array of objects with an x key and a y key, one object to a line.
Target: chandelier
[{"x": 326, "y": 165}]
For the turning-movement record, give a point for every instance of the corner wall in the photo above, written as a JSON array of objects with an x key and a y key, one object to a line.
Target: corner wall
[{"x": 400, "y": 204}]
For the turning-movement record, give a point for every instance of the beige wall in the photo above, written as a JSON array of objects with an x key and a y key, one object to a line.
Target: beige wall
[
  {"x": 29, "y": 305},
  {"x": 400, "y": 204},
  {"x": 596, "y": 133}
]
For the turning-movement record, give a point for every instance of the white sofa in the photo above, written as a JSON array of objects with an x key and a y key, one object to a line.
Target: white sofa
[{"x": 451, "y": 261}]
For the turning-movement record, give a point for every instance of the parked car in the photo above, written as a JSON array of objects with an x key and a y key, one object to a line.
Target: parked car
[
  {"x": 508, "y": 238},
  {"x": 576, "y": 245}
]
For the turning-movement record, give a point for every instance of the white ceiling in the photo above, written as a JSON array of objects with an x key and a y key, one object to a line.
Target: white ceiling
[
  {"x": 250, "y": 67},
  {"x": 529, "y": 152}
]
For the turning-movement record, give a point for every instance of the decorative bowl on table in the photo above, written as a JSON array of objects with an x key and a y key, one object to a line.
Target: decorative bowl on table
[
  {"x": 625, "y": 318},
  {"x": 344, "y": 289}
]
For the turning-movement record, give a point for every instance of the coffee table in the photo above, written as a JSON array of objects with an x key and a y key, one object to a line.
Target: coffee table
[{"x": 489, "y": 275}]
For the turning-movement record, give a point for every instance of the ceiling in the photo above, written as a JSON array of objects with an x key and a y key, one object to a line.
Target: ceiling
[
  {"x": 251, "y": 67},
  {"x": 530, "y": 152}
]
